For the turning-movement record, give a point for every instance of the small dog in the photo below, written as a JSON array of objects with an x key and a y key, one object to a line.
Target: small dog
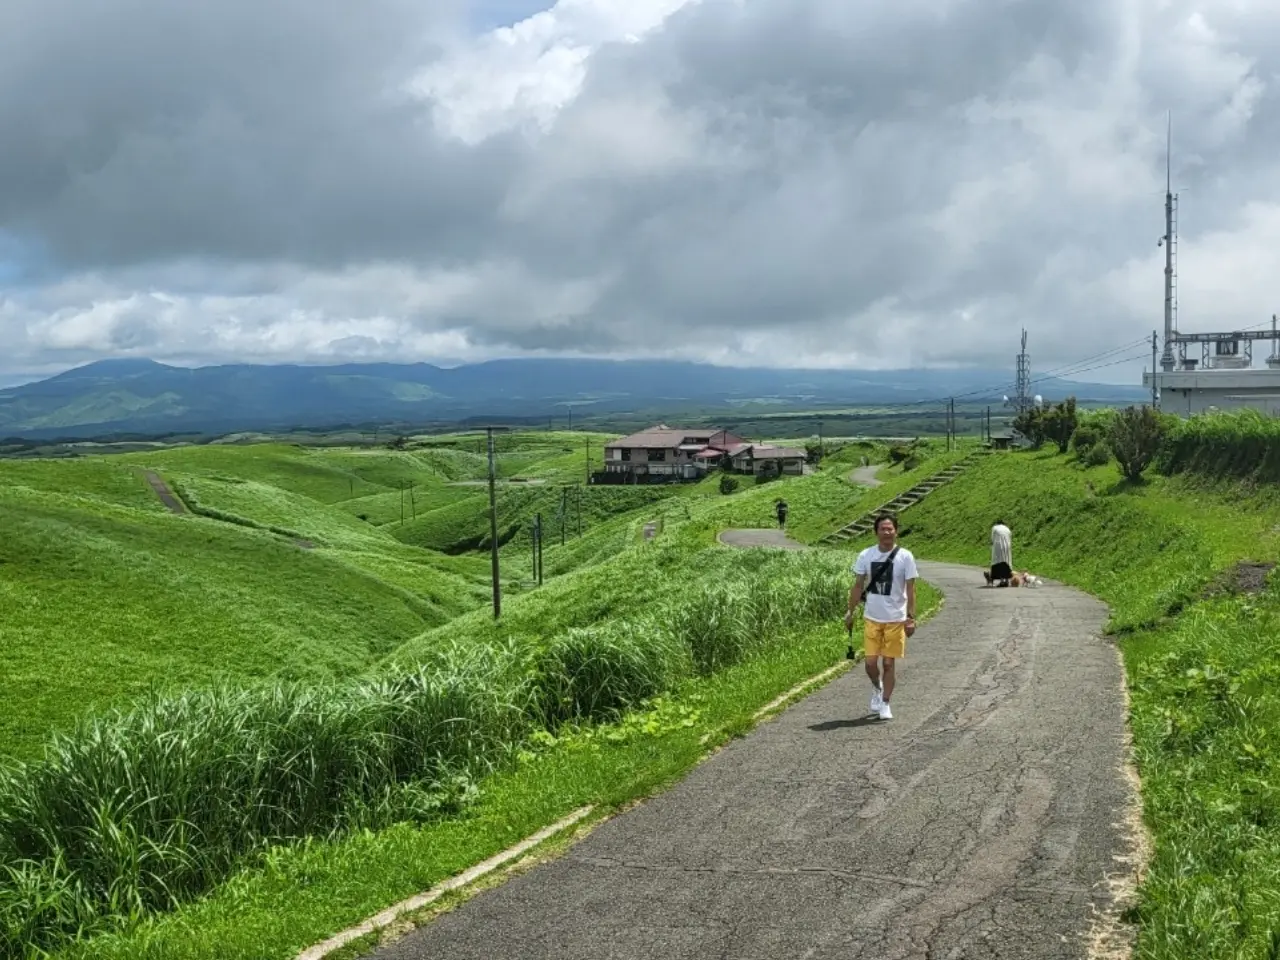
[{"x": 1023, "y": 579}]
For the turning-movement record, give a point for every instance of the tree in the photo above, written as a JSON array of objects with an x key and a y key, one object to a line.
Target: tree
[
  {"x": 398, "y": 443},
  {"x": 1030, "y": 423},
  {"x": 728, "y": 484},
  {"x": 1060, "y": 423},
  {"x": 812, "y": 453},
  {"x": 1135, "y": 439}
]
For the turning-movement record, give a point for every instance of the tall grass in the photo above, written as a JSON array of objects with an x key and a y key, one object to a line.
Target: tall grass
[
  {"x": 138, "y": 811},
  {"x": 1241, "y": 444}
]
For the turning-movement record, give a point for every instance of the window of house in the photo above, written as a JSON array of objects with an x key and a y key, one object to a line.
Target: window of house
[
  {"x": 657, "y": 456},
  {"x": 626, "y": 454}
]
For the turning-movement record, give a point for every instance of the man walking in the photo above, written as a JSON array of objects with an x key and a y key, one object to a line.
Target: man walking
[
  {"x": 885, "y": 576},
  {"x": 781, "y": 509},
  {"x": 1001, "y": 555}
]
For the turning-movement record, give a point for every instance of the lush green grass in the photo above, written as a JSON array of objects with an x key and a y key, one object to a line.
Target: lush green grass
[
  {"x": 300, "y": 895},
  {"x": 1242, "y": 444},
  {"x": 103, "y": 601},
  {"x": 143, "y": 811},
  {"x": 464, "y": 525},
  {"x": 818, "y": 504},
  {"x": 1203, "y": 673}
]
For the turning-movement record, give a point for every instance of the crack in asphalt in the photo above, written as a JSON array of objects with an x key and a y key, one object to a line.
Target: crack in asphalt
[{"x": 983, "y": 822}]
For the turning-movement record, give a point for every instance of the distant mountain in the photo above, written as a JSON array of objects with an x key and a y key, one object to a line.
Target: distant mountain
[{"x": 142, "y": 396}]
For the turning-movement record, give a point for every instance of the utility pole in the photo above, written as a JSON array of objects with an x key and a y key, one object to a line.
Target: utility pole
[
  {"x": 413, "y": 507},
  {"x": 402, "y": 503},
  {"x": 586, "y": 445},
  {"x": 493, "y": 525},
  {"x": 822, "y": 450},
  {"x": 564, "y": 512},
  {"x": 1155, "y": 393}
]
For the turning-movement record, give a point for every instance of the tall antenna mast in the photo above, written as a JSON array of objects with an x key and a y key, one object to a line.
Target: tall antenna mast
[
  {"x": 1023, "y": 386},
  {"x": 1170, "y": 241}
]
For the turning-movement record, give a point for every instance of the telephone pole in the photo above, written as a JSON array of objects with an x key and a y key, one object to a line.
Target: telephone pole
[{"x": 493, "y": 524}]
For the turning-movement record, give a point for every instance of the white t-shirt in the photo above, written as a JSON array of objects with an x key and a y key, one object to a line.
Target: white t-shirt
[{"x": 888, "y": 604}]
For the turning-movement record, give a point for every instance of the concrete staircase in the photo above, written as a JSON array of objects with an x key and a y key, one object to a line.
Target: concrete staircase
[{"x": 865, "y": 523}]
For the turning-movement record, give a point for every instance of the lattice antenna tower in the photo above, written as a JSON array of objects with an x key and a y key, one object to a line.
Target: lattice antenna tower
[
  {"x": 1170, "y": 243},
  {"x": 1022, "y": 389}
]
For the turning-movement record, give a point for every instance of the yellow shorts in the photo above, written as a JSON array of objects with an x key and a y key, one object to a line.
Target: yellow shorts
[{"x": 884, "y": 639}]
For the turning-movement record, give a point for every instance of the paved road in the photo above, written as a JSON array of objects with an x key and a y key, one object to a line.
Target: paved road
[
  {"x": 866, "y": 476},
  {"x": 760, "y": 538},
  {"x": 977, "y": 824}
]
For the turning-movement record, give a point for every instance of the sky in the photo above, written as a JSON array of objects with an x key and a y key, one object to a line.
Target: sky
[{"x": 801, "y": 183}]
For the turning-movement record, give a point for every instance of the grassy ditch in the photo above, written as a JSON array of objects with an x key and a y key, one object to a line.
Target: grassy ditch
[
  {"x": 1199, "y": 624},
  {"x": 140, "y": 811}
]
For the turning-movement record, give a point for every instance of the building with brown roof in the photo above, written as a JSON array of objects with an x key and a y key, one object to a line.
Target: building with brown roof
[
  {"x": 758, "y": 458},
  {"x": 663, "y": 454}
]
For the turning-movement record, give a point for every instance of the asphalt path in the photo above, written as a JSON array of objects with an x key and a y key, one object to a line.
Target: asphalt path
[
  {"x": 866, "y": 476},
  {"x": 984, "y": 821}
]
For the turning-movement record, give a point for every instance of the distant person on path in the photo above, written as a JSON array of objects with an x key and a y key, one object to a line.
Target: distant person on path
[
  {"x": 781, "y": 508},
  {"x": 885, "y": 576},
  {"x": 1001, "y": 555}
]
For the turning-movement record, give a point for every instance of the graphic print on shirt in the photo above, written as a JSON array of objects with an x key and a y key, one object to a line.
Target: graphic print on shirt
[{"x": 881, "y": 579}]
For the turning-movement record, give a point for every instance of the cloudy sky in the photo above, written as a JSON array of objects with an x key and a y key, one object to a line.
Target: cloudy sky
[{"x": 781, "y": 182}]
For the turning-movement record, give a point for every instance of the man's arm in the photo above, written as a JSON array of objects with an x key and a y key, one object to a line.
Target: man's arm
[
  {"x": 911, "y": 599},
  {"x": 855, "y": 592},
  {"x": 855, "y": 595}
]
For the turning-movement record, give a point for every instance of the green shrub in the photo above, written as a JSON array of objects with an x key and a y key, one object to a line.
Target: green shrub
[
  {"x": 1135, "y": 439},
  {"x": 1098, "y": 455},
  {"x": 1241, "y": 445},
  {"x": 728, "y": 484},
  {"x": 597, "y": 673}
]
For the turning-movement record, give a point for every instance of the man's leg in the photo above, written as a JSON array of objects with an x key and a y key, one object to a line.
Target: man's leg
[
  {"x": 893, "y": 648},
  {"x": 872, "y": 641}
]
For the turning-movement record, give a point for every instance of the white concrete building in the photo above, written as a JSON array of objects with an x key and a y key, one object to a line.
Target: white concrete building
[{"x": 1224, "y": 378}]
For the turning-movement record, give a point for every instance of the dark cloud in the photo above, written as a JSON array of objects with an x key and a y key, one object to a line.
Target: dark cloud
[{"x": 783, "y": 181}]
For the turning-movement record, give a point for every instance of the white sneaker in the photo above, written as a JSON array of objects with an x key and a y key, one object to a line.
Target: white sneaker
[
  {"x": 876, "y": 701},
  {"x": 885, "y": 712}
]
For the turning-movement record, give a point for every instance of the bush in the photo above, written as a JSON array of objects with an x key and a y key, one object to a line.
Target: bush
[
  {"x": 1243, "y": 445},
  {"x": 1098, "y": 455},
  {"x": 1086, "y": 437},
  {"x": 597, "y": 673},
  {"x": 1059, "y": 423},
  {"x": 1135, "y": 439},
  {"x": 728, "y": 484}
]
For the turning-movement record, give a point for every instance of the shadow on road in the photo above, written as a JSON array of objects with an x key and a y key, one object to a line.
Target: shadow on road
[{"x": 828, "y": 725}]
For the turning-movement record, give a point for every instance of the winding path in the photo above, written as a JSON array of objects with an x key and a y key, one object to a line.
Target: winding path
[
  {"x": 164, "y": 492},
  {"x": 984, "y": 821},
  {"x": 866, "y": 476}
]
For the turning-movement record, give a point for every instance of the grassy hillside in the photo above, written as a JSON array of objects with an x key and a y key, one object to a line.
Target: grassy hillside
[
  {"x": 1198, "y": 624},
  {"x": 103, "y": 600}
]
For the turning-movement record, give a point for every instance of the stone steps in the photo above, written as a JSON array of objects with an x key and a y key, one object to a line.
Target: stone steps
[{"x": 903, "y": 501}]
